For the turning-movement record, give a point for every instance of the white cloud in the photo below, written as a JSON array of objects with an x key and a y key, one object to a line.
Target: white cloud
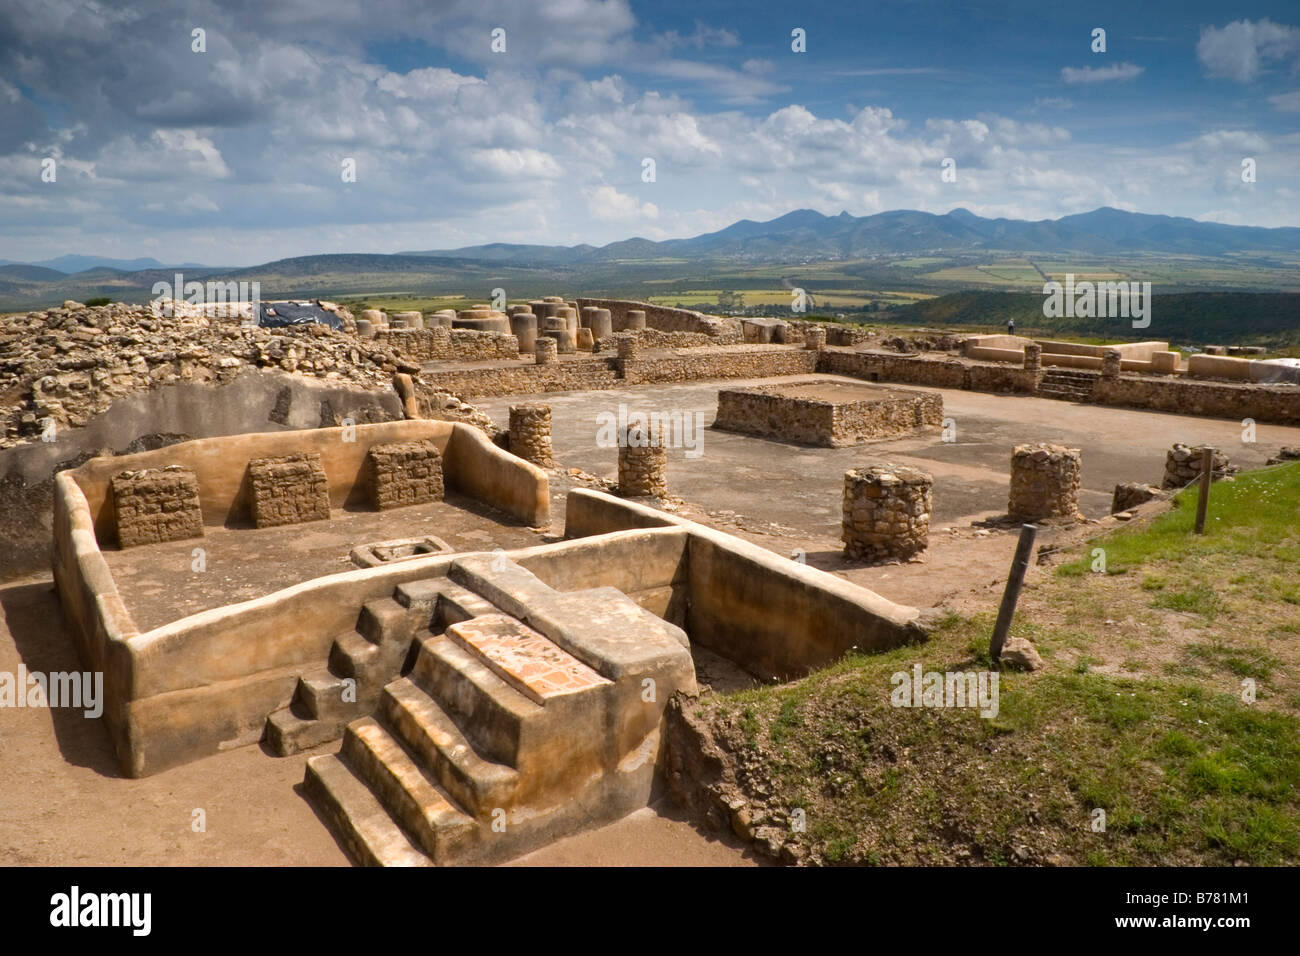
[
  {"x": 607, "y": 203},
  {"x": 1236, "y": 52},
  {"x": 1287, "y": 102},
  {"x": 1100, "y": 74}
]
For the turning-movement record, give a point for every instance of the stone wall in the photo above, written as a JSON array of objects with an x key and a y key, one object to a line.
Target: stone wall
[
  {"x": 404, "y": 473},
  {"x": 527, "y": 379},
  {"x": 758, "y": 361},
  {"x": 439, "y": 342},
  {"x": 156, "y": 505},
  {"x": 1274, "y": 404},
  {"x": 924, "y": 370},
  {"x": 288, "y": 490},
  {"x": 886, "y": 512}
]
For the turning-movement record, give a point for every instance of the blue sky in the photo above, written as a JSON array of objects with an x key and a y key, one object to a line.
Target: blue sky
[{"x": 233, "y": 155}]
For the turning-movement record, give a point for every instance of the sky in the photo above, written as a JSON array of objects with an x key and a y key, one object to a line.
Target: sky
[{"x": 301, "y": 127}]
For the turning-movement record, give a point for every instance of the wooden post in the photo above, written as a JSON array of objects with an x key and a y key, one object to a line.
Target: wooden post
[
  {"x": 1019, "y": 564},
  {"x": 1203, "y": 495}
]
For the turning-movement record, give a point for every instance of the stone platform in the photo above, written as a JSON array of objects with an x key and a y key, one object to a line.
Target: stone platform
[{"x": 830, "y": 413}]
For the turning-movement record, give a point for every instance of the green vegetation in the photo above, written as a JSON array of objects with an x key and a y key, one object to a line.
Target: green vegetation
[{"x": 1141, "y": 711}]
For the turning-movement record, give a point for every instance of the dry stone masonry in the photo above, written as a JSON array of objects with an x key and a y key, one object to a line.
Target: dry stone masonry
[
  {"x": 1045, "y": 482},
  {"x": 1130, "y": 494},
  {"x": 404, "y": 473},
  {"x": 1183, "y": 466},
  {"x": 288, "y": 490},
  {"x": 156, "y": 505},
  {"x": 530, "y": 433},
  {"x": 642, "y": 461},
  {"x": 886, "y": 512},
  {"x": 828, "y": 413}
]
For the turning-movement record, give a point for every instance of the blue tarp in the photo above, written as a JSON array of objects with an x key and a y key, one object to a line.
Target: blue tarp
[{"x": 277, "y": 315}]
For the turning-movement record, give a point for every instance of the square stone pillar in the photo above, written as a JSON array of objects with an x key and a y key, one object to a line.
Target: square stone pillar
[{"x": 886, "y": 512}]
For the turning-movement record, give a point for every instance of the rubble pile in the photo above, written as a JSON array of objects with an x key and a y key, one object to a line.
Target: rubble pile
[{"x": 66, "y": 365}]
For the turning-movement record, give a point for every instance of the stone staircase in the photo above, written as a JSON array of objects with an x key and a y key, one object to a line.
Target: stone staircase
[
  {"x": 1066, "y": 384},
  {"x": 523, "y": 716}
]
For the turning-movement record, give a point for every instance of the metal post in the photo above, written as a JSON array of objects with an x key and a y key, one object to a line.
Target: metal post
[
  {"x": 1019, "y": 564},
  {"x": 1203, "y": 496}
]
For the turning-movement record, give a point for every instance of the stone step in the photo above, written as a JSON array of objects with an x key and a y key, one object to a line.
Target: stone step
[
  {"x": 352, "y": 655},
  {"x": 502, "y": 582},
  {"x": 287, "y": 733},
  {"x": 378, "y": 758},
  {"x": 531, "y": 663},
  {"x": 478, "y": 785},
  {"x": 320, "y": 695},
  {"x": 356, "y": 815},
  {"x": 499, "y": 721},
  {"x": 383, "y": 621}
]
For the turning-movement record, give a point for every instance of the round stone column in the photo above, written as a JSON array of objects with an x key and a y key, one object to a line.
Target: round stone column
[
  {"x": 629, "y": 347},
  {"x": 530, "y": 433},
  {"x": 523, "y": 326},
  {"x": 635, "y": 320},
  {"x": 1033, "y": 357},
  {"x": 642, "y": 461},
  {"x": 545, "y": 351},
  {"x": 1044, "y": 482},
  {"x": 886, "y": 512},
  {"x": 814, "y": 338}
]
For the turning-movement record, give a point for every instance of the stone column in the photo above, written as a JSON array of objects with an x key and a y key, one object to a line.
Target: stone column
[
  {"x": 523, "y": 325},
  {"x": 1044, "y": 482},
  {"x": 545, "y": 351},
  {"x": 642, "y": 461},
  {"x": 530, "y": 433},
  {"x": 1033, "y": 357},
  {"x": 886, "y": 512},
  {"x": 635, "y": 320},
  {"x": 1110, "y": 364},
  {"x": 584, "y": 341},
  {"x": 814, "y": 337},
  {"x": 364, "y": 329}
]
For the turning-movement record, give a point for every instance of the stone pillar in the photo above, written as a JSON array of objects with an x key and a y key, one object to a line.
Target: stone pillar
[
  {"x": 814, "y": 337},
  {"x": 565, "y": 340},
  {"x": 1033, "y": 357},
  {"x": 523, "y": 326},
  {"x": 544, "y": 350},
  {"x": 1044, "y": 482},
  {"x": 530, "y": 433},
  {"x": 642, "y": 460},
  {"x": 1183, "y": 466},
  {"x": 886, "y": 512},
  {"x": 375, "y": 317},
  {"x": 364, "y": 329},
  {"x": 629, "y": 347},
  {"x": 1110, "y": 364},
  {"x": 585, "y": 341},
  {"x": 635, "y": 320}
]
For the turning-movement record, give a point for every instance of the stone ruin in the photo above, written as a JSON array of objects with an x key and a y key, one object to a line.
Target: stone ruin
[
  {"x": 404, "y": 473},
  {"x": 886, "y": 512},
  {"x": 288, "y": 490},
  {"x": 1183, "y": 466},
  {"x": 1044, "y": 483},
  {"x": 642, "y": 462},
  {"x": 530, "y": 433},
  {"x": 152, "y": 506}
]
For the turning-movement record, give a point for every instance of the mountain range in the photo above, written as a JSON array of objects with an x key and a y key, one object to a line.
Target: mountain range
[{"x": 806, "y": 234}]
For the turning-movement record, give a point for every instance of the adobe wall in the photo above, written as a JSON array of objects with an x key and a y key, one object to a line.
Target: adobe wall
[{"x": 747, "y": 603}]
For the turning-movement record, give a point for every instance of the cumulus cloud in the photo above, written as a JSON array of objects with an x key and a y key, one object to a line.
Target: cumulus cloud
[
  {"x": 1100, "y": 74},
  {"x": 1237, "y": 51}
]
